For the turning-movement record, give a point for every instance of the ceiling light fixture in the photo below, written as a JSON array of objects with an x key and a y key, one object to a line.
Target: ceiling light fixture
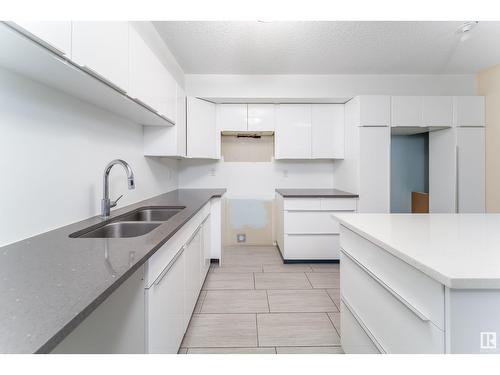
[{"x": 464, "y": 29}]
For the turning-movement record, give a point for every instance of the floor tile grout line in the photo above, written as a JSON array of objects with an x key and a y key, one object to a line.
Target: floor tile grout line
[
  {"x": 257, "y": 330},
  {"x": 310, "y": 283},
  {"x": 268, "y": 304},
  {"x": 335, "y": 328},
  {"x": 338, "y": 307}
]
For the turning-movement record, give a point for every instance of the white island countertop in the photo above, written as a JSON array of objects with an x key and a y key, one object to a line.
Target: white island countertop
[{"x": 461, "y": 251}]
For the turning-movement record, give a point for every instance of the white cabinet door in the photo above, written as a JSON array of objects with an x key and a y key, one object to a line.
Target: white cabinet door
[
  {"x": 201, "y": 129},
  {"x": 437, "y": 111},
  {"x": 406, "y": 111},
  {"x": 327, "y": 131},
  {"x": 150, "y": 81},
  {"x": 180, "y": 122},
  {"x": 374, "y": 110},
  {"x": 55, "y": 34},
  {"x": 293, "y": 131},
  {"x": 374, "y": 169},
  {"x": 471, "y": 170},
  {"x": 103, "y": 47},
  {"x": 205, "y": 250},
  {"x": 442, "y": 171},
  {"x": 469, "y": 111},
  {"x": 192, "y": 253},
  {"x": 165, "y": 310},
  {"x": 232, "y": 117},
  {"x": 261, "y": 117}
]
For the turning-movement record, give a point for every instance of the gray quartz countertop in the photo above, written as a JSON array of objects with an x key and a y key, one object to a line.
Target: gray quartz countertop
[
  {"x": 312, "y": 193},
  {"x": 49, "y": 283}
]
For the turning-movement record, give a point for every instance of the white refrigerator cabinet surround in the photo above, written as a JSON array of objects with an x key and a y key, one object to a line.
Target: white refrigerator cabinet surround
[
  {"x": 104, "y": 48},
  {"x": 469, "y": 111},
  {"x": 406, "y": 111},
  {"x": 168, "y": 141},
  {"x": 372, "y": 110},
  {"x": 55, "y": 35},
  {"x": 422, "y": 111},
  {"x": 309, "y": 131},
  {"x": 203, "y": 139},
  {"x": 307, "y": 228},
  {"x": 150, "y": 81}
]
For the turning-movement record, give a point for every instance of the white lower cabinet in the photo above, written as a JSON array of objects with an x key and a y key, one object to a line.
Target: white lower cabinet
[
  {"x": 306, "y": 228},
  {"x": 192, "y": 279},
  {"x": 165, "y": 317},
  {"x": 387, "y": 305}
]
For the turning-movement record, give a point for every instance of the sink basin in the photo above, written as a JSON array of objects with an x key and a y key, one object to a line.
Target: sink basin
[
  {"x": 119, "y": 230},
  {"x": 152, "y": 214}
]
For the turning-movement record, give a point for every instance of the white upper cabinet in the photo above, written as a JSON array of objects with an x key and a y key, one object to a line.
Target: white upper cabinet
[
  {"x": 327, "y": 131},
  {"x": 232, "y": 117},
  {"x": 54, "y": 34},
  {"x": 150, "y": 81},
  {"x": 104, "y": 48},
  {"x": 202, "y": 135},
  {"x": 406, "y": 111},
  {"x": 293, "y": 131},
  {"x": 437, "y": 111},
  {"x": 469, "y": 111},
  {"x": 180, "y": 122},
  {"x": 261, "y": 117},
  {"x": 374, "y": 110}
]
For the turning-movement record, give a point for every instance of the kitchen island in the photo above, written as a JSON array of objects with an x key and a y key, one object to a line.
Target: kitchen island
[{"x": 420, "y": 283}]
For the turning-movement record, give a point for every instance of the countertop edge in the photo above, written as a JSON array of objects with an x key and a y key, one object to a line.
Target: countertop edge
[
  {"x": 59, "y": 336},
  {"x": 338, "y": 194}
]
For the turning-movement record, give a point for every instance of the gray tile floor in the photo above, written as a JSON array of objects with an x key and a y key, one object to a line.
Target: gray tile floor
[{"x": 255, "y": 304}]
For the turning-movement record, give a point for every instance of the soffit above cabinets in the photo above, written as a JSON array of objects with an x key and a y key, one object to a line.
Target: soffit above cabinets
[{"x": 278, "y": 100}]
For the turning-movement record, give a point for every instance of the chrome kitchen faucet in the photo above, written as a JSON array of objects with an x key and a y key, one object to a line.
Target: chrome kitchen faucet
[{"x": 106, "y": 203}]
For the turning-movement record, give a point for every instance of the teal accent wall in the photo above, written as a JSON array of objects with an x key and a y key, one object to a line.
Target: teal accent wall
[{"x": 409, "y": 169}]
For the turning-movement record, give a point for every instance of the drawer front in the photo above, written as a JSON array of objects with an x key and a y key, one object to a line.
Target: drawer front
[
  {"x": 302, "y": 204},
  {"x": 338, "y": 204},
  {"x": 311, "y": 246},
  {"x": 395, "y": 327},
  {"x": 304, "y": 222},
  {"x": 167, "y": 252},
  {"x": 422, "y": 292},
  {"x": 354, "y": 339}
]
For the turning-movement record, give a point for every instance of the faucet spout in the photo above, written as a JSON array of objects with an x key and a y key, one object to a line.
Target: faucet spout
[{"x": 106, "y": 203}]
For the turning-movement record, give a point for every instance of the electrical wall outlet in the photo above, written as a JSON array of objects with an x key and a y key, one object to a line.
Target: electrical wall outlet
[{"x": 241, "y": 237}]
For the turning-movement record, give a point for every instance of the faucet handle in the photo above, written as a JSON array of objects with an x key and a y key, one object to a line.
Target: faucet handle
[{"x": 115, "y": 202}]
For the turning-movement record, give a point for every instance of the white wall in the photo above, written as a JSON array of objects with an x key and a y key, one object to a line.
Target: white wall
[
  {"x": 53, "y": 150},
  {"x": 326, "y": 86}
]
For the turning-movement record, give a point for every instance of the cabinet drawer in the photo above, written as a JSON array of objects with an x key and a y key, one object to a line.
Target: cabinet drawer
[
  {"x": 354, "y": 339},
  {"x": 338, "y": 204},
  {"x": 302, "y": 204},
  {"x": 422, "y": 292},
  {"x": 311, "y": 222},
  {"x": 311, "y": 246},
  {"x": 393, "y": 323}
]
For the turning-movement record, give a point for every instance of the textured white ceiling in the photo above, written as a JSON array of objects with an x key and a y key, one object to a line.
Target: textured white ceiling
[{"x": 330, "y": 47}]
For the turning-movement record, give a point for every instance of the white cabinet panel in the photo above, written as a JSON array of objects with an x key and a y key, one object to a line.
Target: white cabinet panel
[
  {"x": 354, "y": 339},
  {"x": 406, "y": 111},
  {"x": 471, "y": 170},
  {"x": 310, "y": 222},
  {"x": 206, "y": 249},
  {"x": 165, "y": 310},
  {"x": 261, "y": 117},
  {"x": 232, "y": 117},
  {"x": 311, "y": 246},
  {"x": 103, "y": 47},
  {"x": 437, "y": 111},
  {"x": 55, "y": 33},
  {"x": 442, "y": 171},
  {"x": 374, "y": 110},
  {"x": 469, "y": 111},
  {"x": 327, "y": 131},
  {"x": 202, "y": 136},
  {"x": 193, "y": 255},
  {"x": 293, "y": 131},
  {"x": 149, "y": 79},
  {"x": 374, "y": 169}
]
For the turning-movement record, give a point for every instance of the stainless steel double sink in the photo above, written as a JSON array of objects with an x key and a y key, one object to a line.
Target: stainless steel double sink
[{"x": 131, "y": 224}]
